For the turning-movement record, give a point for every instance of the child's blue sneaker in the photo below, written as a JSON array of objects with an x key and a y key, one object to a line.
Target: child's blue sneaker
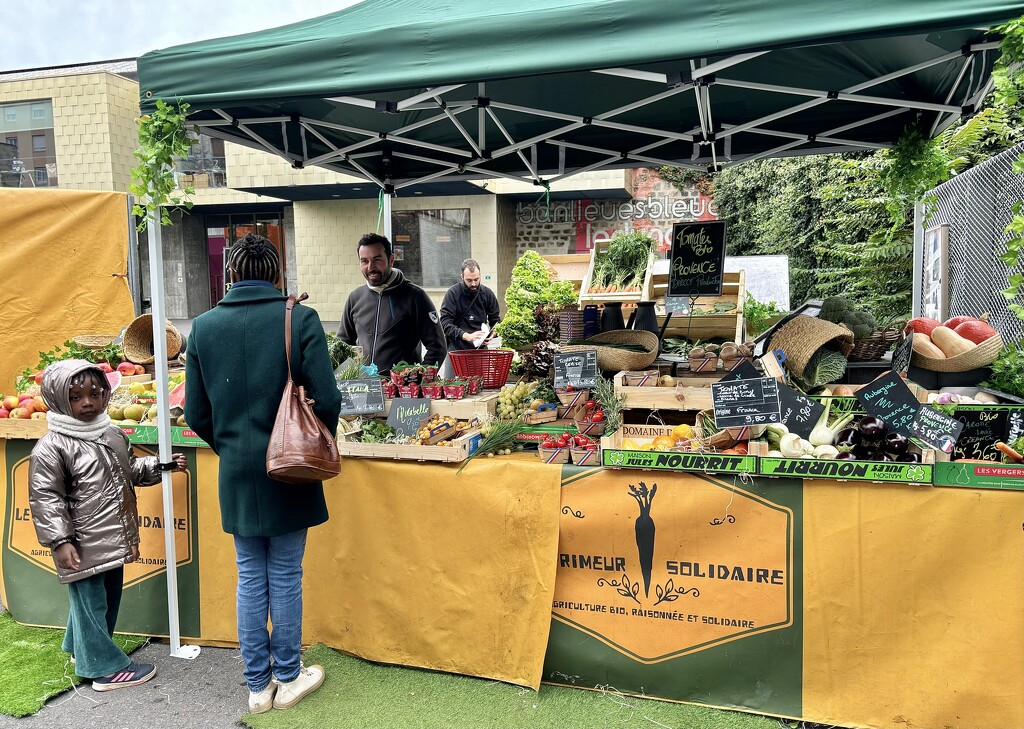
[{"x": 132, "y": 675}]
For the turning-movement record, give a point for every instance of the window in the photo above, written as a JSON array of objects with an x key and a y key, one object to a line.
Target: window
[
  {"x": 38, "y": 111},
  {"x": 38, "y": 143},
  {"x": 41, "y": 178},
  {"x": 430, "y": 245},
  {"x": 13, "y": 141}
]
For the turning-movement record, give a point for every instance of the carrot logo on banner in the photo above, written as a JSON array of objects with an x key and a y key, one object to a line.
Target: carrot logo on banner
[
  {"x": 22, "y": 535},
  {"x": 717, "y": 567}
]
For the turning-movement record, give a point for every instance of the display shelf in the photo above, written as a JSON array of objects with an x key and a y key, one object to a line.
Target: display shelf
[
  {"x": 461, "y": 448},
  {"x": 626, "y": 297},
  {"x": 728, "y": 325}
]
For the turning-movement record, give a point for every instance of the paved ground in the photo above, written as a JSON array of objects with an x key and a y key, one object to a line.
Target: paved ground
[{"x": 205, "y": 693}]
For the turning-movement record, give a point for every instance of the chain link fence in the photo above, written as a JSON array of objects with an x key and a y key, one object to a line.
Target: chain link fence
[{"x": 976, "y": 207}]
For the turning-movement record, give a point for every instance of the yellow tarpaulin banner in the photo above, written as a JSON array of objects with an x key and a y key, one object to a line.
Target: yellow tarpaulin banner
[
  {"x": 417, "y": 565},
  {"x": 64, "y": 254}
]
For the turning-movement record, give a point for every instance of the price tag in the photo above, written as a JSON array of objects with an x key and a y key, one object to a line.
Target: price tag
[
  {"x": 889, "y": 399},
  {"x": 902, "y": 354},
  {"x": 677, "y": 304},
  {"x": 936, "y": 429},
  {"x": 799, "y": 413},
  {"x": 746, "y": 402},
  {"x": 578, "y": 369},
  {"x": 697, "y": 259},
  {"x": 361, "y": 397},
  {"x": 407, "y": 413},
  {"x": 983, "y": 427}
]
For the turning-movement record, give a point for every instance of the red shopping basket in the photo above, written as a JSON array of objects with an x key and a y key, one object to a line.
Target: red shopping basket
[{"x": 493, "y": 364}]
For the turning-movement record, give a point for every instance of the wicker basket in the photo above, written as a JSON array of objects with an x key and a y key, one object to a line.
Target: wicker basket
[
  {"x": 981, "y": 356},
  {"x": 492, "y": 364},
  {"x": 611, "y": 359},
  {"x": 802, "y": 336},
  {"x": 873, "y": 347},
  {"x": 138, "y": 340},
  {"x": 94, "y": 341}
]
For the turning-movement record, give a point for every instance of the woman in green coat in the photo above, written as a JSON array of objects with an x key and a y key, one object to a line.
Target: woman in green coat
[{"x": 235, "y": 371}]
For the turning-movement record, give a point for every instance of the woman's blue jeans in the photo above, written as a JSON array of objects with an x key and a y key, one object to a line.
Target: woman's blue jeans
[{"x": 270, "y": 586}]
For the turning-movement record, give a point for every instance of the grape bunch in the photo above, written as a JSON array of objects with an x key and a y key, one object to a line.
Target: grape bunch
[{"x": 512, "y": 399}]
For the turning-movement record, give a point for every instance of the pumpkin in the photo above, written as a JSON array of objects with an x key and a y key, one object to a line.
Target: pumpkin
[
  {"x": 924, "y": 346},
  {"x": 923, "y": 325},
  {"x": 957, "y": 321},
  {"x": 976, "y": 330},
  {"x": 950, "y": 342}
]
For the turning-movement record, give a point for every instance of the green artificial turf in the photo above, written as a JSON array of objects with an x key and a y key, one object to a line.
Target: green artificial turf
[
  {"x": 33, "y": 667},
  {"x": 365, "y": 695}
]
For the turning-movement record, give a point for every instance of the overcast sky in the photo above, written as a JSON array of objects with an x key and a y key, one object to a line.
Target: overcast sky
[{"x": 39, "y": 33}]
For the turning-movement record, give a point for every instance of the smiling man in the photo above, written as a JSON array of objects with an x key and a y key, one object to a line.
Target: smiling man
[
  {"x": 390, "y": 317},
  {"x": 467, "y": 306}
]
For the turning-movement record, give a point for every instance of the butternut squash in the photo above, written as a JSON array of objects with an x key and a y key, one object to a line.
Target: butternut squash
[
  {"x": 924, "y": 346},
  {"x": 950, "y": 342}
]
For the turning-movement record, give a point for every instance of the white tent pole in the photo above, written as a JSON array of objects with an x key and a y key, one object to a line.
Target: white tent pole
[
  {"x": 387, "y": 216},
  {"x": 156, "y": 281}
]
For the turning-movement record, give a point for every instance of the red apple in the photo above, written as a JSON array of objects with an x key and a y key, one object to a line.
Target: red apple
[
  {"x": 20, "y": 413},
  {"x": 27, "y": 405},
  {"x": 39, "y": 378},
  {"x": 10, "y": 402},
  {"x": 38, "y": 416},
  {"x": 4, "y": 412},
  {"x": 140, "y": 370},
  {"x": 126, "y": 368},
  {"x": 41, "y": 406}
]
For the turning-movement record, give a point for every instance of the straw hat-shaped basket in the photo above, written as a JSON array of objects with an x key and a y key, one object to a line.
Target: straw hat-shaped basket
[
  {"x": 94, "y": 341},
  {"x": 612, "y": 359},
  {"x": 138, "y": 341},
  {"x": 981, "y": 356},
  {"x": 802, "y": 336}
]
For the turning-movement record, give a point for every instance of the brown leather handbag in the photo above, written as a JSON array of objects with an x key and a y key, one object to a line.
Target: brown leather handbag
[{"x": 302, "y": 450}]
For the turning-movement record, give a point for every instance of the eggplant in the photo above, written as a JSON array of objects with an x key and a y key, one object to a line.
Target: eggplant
[
  {"x": 909, "y": 458},
  {"x": 895, "y": 443},
  {"x": 872, "y": 430},
  {"x": 881, "y": 456},
  {"x": 846, "y": 439},
  {"x": 845, "y": 456},
  {"x": 864, "y": 452}
]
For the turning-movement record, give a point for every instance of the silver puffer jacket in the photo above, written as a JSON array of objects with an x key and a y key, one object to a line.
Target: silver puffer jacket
[{"x": 84, "y": 488}]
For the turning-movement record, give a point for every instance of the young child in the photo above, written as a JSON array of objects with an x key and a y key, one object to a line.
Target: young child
[{"x": 81, "y": 489}]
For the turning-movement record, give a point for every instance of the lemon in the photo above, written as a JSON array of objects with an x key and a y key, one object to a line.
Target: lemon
[
  {"x": 628, "y": 445},
  {"x": 682, "y": 431},
  {"x": 136, "y": 388}
]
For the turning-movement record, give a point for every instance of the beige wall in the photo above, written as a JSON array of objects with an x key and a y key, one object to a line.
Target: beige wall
[
  {"x": 93, "y": 126},
  {"x": 326, "y": 234}
]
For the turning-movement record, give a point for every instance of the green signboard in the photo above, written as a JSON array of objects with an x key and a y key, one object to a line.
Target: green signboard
[
  {"x": 915, "y": 473},
  {"x": 980, "y": 476},
  {"x": 670, "y": 461}
]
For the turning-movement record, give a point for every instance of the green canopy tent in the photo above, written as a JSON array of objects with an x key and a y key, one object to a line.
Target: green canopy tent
[
  {"x": 405, "y": 92},
  {"x": 400, "y": 92}
]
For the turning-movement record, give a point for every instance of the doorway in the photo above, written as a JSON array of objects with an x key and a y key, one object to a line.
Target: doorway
[{"x": 223, "y": 230}]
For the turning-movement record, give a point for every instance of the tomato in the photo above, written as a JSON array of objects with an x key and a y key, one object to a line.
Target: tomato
[
  {"x": 590, "y": 404},
  {"x": 565, "y": 435},
  {"x": 562, "y": 442},
  {"x": 569, "y": 388},
  {"x": 581, "y": 440},
  {"x": 598, "y": 417},
  {"x": 591, "y": 446}
]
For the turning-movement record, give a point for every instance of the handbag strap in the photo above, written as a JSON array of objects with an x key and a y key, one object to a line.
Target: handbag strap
[{"x": 288, "y": 306}]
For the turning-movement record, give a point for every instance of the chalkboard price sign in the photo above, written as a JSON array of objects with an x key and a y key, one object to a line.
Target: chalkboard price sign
[
  {"x": 578, "y": 369},
  {"x": 982, "y": 429},
  {"x": 697, "y": 259},
  {"x": 743, "y": 371},
  {"x": 407, "y": 413},
  {"x": 746, "y": 402},
  {"x": 359, "y": 397},
  {"x": 901, "y": 355},
  {"x": 936, "y": 429},
  {"x": 799, "y": 413},
  {"x": 889, "y": 399}
]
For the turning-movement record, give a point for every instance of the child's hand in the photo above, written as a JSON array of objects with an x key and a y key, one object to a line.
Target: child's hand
[
  {"x": 134, "y": 556},
  {"x": 180, "y": 462},
  {"x": 66, "y": 557}
]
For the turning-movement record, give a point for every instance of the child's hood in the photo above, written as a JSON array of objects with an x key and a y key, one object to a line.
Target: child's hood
[{"x": 57, "y": 383}]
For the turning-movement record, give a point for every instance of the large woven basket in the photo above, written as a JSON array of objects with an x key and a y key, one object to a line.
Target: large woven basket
[
  {"x": 94, "y": 341},
  {"x": 611, "y": 359},
  {"x": 871, "y": 348},
  {"x": 138, "y": 341},
  {"x": 981, "y": 356},
  {"x": 802, "y": 336}
]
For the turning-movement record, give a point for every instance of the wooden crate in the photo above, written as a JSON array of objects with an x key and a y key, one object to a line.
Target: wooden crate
[
  {"x": 727, "y": 326},
  {"x": 708, "y": 461},
  {"x": 626, "y": 297},
  {"x": 569, "y": 267},
  {"x": 462, "y": 448},
  {"x": 22, "y": 429},
  {"x": 484, "y": 403},
  {"x": 687, "y": 394}
]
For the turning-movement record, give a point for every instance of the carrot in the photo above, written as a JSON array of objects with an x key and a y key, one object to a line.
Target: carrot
[
  {"x": 1010, "y": 453},
  {"x": 644, "y": 529}
]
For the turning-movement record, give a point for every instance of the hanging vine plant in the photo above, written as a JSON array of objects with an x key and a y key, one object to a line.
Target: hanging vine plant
[
  {"x": 164, "y": 135},
  {"x": 1008, "y": 74}
]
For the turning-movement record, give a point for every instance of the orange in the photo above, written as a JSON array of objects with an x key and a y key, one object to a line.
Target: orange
[{"x": 665, "y": 441}]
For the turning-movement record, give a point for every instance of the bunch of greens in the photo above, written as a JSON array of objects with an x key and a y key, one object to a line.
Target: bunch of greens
[
  {"x": 518, "y": 328},
  {"x": 757, "y": 314},
  {"x": 612, "y": 402},
  {"x": 530, "y": 293},
  {"x": 1008, "y": 371},
  {"x": 499, "y": 438},
  {"x": 624, "y": 265},
  {"x": 111, "y": 354},
  {"x": 375, "y": 431},
  {"x": 338, "y": 350}
]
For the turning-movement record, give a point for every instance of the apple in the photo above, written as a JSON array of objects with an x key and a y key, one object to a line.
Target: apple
[
  {"x": 25, "y": 397},
  {"x": 140, "y": 370},
  {"x": 105, "y": 367},
  {"x": 38, "y": 416},
  {"x": 127, "y": 369},
  {"x": 4, "y": 413},
  {"x": 41, "y": 406},
  {"x": 27, "y": 405},
  {"x": 39, "y": 378},
  {"x": 20, "y": 413},
  {"x": 10, "y": 402}
]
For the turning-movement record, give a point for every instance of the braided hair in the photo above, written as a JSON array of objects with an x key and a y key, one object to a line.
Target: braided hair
[{"x": 254, "y": 258}]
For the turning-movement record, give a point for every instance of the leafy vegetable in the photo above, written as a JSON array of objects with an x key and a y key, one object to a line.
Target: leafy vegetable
[
  {"x": 111, "y": 354},
  {"x": 499, "y": 435},
  {"x": 604, "y": 393},
  {"x": 375, "y": 431},
  {"x": 624, "y": 265},
  {"x": 338, "y": 350},
  {"x": 1008, "y": 371},
  {"x": 756, "y": 314},
  {"x": 518, "y": 328}
]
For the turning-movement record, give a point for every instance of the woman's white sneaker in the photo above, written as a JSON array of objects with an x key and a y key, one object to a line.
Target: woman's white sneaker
[
  {"x": 292, "y": 692},
  {"x": 263, "y": 701}
]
